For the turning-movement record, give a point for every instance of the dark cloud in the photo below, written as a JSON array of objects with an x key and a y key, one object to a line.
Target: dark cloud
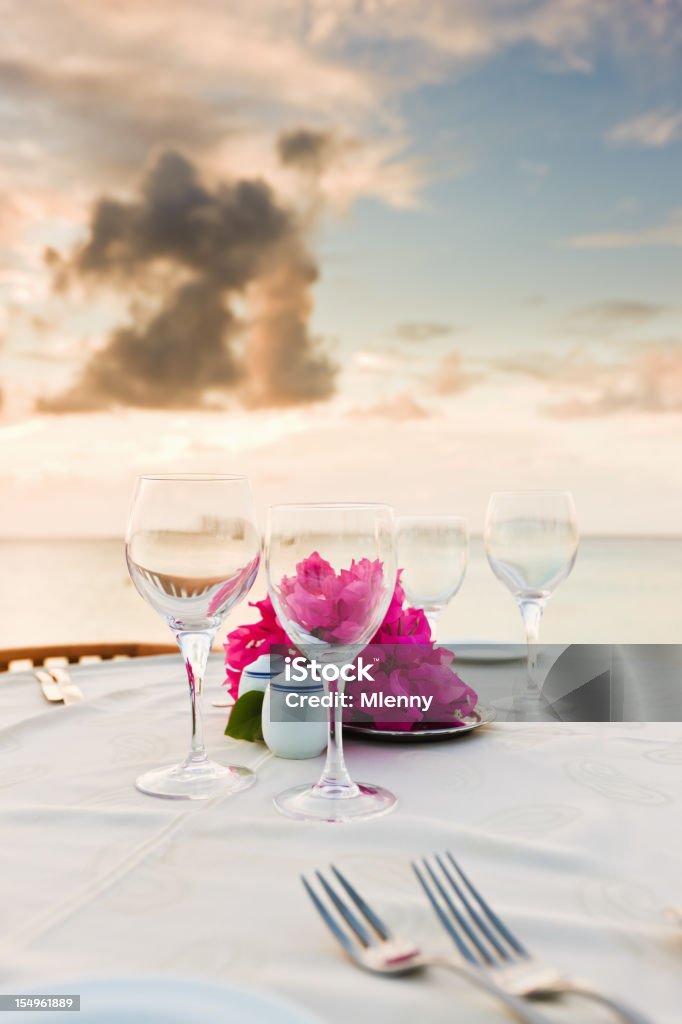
[
  {"x": 178, "y": 356},
  {"x": 310, "y": 149},
  {"x": 226, "y": 235},
  {"x": 197, "y": 249},
  {"x": 422, "y": 330}
]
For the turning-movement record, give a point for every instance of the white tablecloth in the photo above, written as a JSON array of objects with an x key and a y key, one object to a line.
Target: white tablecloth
[{"x": 573, "y": 831}]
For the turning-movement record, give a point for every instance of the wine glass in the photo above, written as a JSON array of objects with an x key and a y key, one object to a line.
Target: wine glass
[
  {"x": 433, "y": 552},
  {"x": 193, "y": 551},
  {"x": 531, "y": 540},
  {"x": 313, "y": 553}
]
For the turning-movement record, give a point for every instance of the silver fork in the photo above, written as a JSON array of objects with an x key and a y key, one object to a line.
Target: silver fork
[
  {"x": 370, "y": 944},
  {"x": 50, "y": 689},
  {"x": 70, "y": 692},
  {"x": 485, "y": 942}
]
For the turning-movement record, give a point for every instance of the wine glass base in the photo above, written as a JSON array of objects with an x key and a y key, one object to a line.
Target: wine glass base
[
  {"x": 198, "y": 781},
  {"x": 525, "y": 707},
  {"x": 305, "y": 803}
]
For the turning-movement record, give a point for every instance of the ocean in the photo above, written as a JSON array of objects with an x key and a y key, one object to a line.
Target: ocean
[{"x": 622, "y": 590}]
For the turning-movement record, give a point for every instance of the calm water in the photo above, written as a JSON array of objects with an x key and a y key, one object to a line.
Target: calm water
[{"x": 621, "y": 591}]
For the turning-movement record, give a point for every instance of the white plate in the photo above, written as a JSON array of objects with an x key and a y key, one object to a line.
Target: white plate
[
  {"x": 482, "y": 714},
  {"x": 483, "y": 650},
  {"x": 165, "y": 1000}
]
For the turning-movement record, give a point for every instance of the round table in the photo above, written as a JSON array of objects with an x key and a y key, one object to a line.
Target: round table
[{"x": 573, "y": 831}]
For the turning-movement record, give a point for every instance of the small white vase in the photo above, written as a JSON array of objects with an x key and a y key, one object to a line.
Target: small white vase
[
  {"x": 257, "y": 675},
  {"x": 304, "y": 737}
]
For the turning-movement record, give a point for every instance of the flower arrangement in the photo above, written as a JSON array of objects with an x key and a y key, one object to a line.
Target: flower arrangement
[{"x": 331, "y": 605}]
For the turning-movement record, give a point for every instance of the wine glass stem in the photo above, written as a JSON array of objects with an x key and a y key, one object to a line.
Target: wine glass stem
[
  {"x": 335, "y": 780},
  {"x": 195, "y": 648},
  {"x": 432, "y": 616},
  {"x": 532, "y": 610}
]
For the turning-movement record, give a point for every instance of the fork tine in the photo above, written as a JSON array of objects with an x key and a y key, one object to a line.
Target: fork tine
[
  {"x": 459, "y": 917},
  {"x": 489, "y": 912},
  {"x": 482, "y": 925},
  {"x": 347, "y": 914},
  {"x": 375, "y": 921},
  {"x": 445, "y": 919},
  {"x": 337, "y": 932}
]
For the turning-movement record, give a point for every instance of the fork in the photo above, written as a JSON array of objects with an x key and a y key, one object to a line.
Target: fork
[
  {"x": 50, "y": 689},
  {"x": 380, "y": 952},
  {"x": 485, "y": 942},
  {"x": 70, "y": 692}
]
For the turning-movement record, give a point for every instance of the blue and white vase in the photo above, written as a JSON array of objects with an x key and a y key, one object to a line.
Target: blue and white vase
[
  {"x": 255, "y": 676},
  {"x": 296, "y": 734}
]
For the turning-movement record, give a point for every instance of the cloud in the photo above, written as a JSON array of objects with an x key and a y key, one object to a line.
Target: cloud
[
  {"x": 399, "y": 407},
  {"x": 197, "y": 249},
  {"x": 416, "y": 331},
  {"x": 653, "y": 130},
  {"x": 575, "y": 366},
  {"x": 463, "y": 31},
  {"x": 667, "y": 234},
  {"x": 170, "y": 73},
  {"x": 338, "y": 169},
  {"x": 451, "y": 378},
  {"x": 650, "y": 382},
  {"x": 311, "y": 149},
  {"x": 620, "y": 310},
  {"x": 613, "y": 314},
  {"x": 173, "y": 77},
  {"x": 169, "y": 362}
]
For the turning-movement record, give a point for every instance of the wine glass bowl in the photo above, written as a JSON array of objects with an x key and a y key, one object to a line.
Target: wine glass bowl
[
  {"x": 531, "y": 543},
  {"x": 198, "y": 583},
  {"x": 193, "y": 550},
  {"x": 433, "y": 553},
  {"x": 331, "y": 573}
]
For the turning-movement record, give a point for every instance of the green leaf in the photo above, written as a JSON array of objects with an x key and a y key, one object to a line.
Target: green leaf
[{"x": 244, "y": 722}]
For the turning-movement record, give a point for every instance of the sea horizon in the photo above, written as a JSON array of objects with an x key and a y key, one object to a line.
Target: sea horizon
[{"x": 623, "y": 589}]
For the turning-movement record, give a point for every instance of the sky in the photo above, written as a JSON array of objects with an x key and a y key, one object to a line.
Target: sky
[{"x": 398, "y": 250}]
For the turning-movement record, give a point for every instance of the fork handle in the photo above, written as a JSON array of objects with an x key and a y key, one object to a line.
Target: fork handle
[
  {"x": 522, "y": 1010},
  {"x": 626, "y": 1013}
]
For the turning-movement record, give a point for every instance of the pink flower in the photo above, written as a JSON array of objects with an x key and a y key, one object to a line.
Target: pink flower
[
  {"x": 334, "y": 606},
  {"x": 412, "y": 669},
  {"x": 331, "y": 606},
  {"x": 246, "y": 643}
]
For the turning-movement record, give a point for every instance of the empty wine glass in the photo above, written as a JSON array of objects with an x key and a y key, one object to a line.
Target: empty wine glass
[
  {"x": 433, "y": 552},
  {"x": 331, "y": 573},
  {"x": 531, "y": 540},
  {"x": 193, "y": 551}
]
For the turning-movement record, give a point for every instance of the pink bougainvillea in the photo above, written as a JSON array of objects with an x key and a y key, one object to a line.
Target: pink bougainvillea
[{"x": 333, "y": 606}]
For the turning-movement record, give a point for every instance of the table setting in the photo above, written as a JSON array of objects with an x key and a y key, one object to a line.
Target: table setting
[{"x": 498, "y": 854}]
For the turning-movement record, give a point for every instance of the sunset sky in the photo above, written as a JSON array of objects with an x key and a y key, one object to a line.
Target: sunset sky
[{"x": 395, "y": 249}]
